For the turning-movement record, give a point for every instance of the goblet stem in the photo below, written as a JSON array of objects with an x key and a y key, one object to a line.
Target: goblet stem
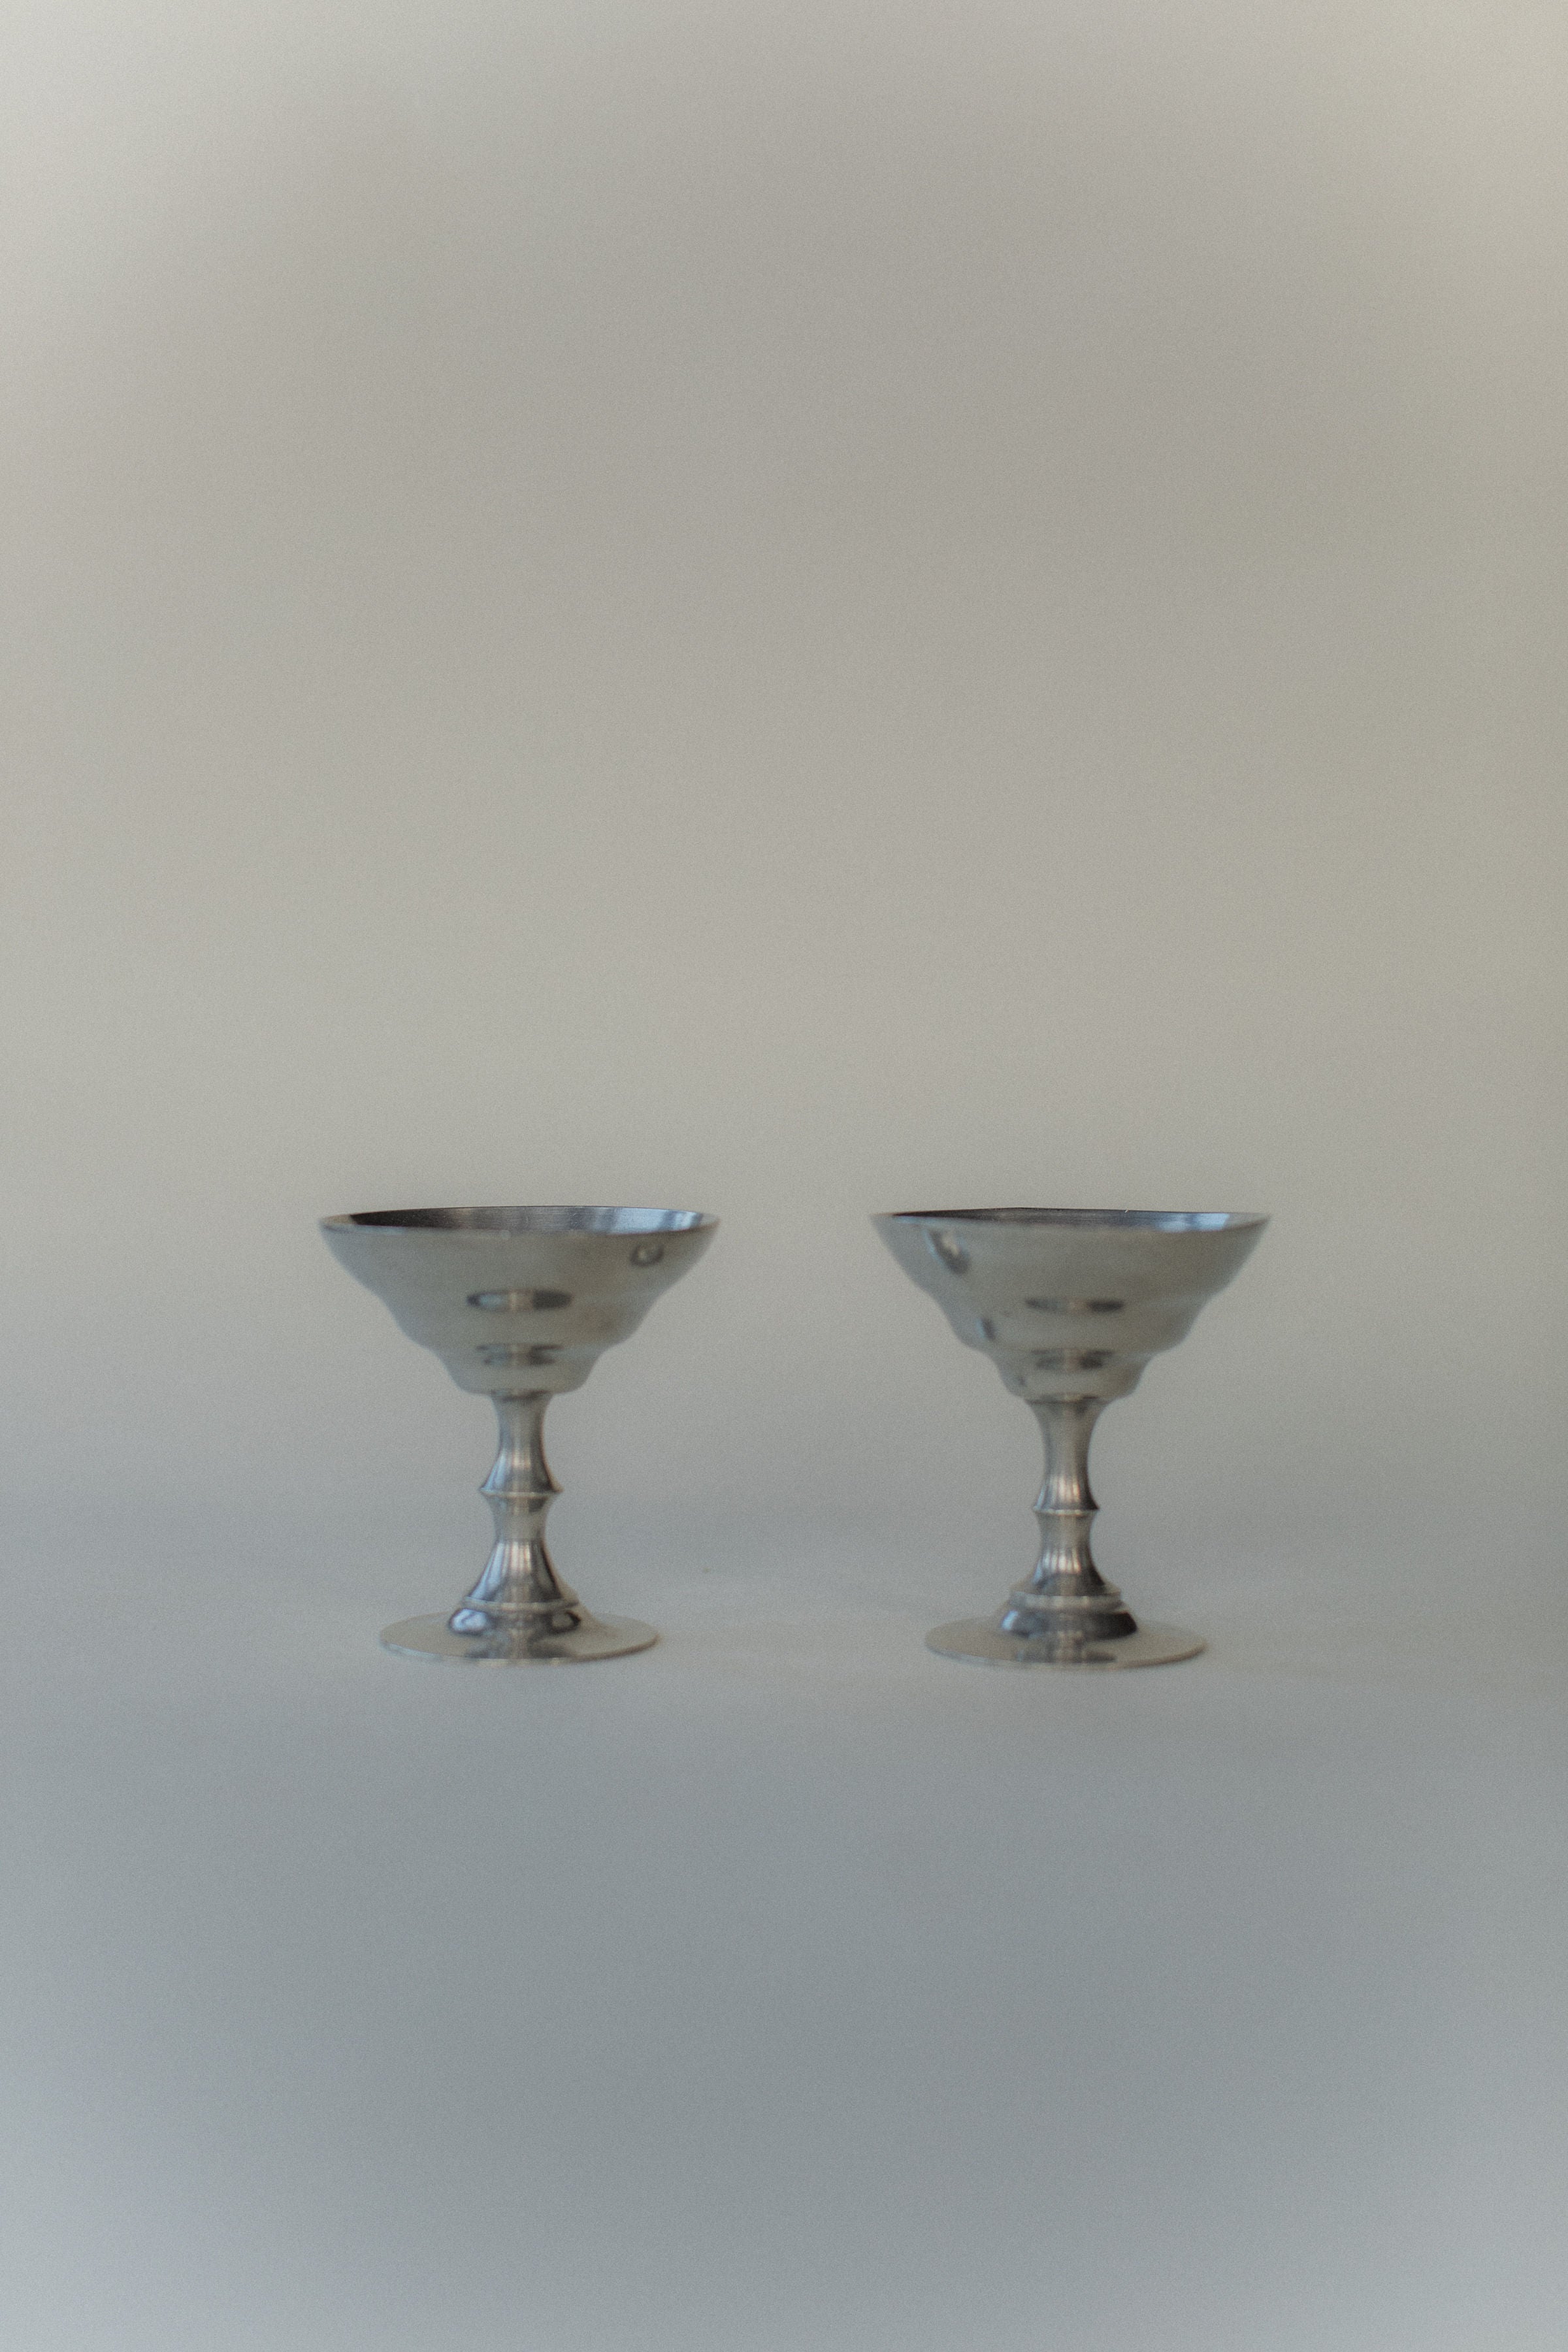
[
  {"x": 1067, "y": 1592},
  {"x": 519, "y": 1584}
]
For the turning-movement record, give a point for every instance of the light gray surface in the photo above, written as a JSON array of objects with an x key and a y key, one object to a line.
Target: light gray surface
[
  {"x": 809, "y": 610},
  {"x": 785, "y": 1986}
]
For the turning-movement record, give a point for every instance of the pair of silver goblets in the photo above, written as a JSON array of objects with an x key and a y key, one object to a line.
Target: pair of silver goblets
[{"x": 1069, "y": 1305}]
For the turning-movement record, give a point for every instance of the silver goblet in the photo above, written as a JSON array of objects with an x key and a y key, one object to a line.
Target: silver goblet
[
  {"x": 1069, "y": 1305},
  {"x": 517, "y": 1303}
]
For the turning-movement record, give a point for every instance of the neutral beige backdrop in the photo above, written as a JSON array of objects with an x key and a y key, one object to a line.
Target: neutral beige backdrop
[{"x": 792, "y": 610}]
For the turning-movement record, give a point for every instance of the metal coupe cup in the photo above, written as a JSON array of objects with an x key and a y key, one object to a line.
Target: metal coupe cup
[
  {"x": 519, "y": 1304},
  {"x": 1069, "y": 1305}
]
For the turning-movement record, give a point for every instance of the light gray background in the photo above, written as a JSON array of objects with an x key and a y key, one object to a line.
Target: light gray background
[{"x": 791, "y": 610}]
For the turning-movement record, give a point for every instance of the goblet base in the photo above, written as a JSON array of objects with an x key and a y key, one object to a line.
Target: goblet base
[
  {"x": 978, "y": 1640},
  {"x": 521, "y": 1645}
]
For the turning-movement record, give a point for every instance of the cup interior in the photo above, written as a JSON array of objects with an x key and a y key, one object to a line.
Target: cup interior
[
  {"x": 1164, "y": 1221},
  {"x": 512, "y": 1220}
]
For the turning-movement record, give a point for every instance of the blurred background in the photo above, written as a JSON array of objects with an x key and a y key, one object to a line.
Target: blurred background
[{"x": 790, "y": 611}]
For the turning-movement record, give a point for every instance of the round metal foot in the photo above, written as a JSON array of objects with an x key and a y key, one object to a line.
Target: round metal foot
[
  {"x": 592, "y": 1637},
  {"x": 978, "y": 1640}
]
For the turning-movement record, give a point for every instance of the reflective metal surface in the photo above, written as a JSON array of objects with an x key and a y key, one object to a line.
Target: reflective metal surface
[
  {"x": 519, "y": 1303},
  {"x": 1069, "y": 1305}
]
